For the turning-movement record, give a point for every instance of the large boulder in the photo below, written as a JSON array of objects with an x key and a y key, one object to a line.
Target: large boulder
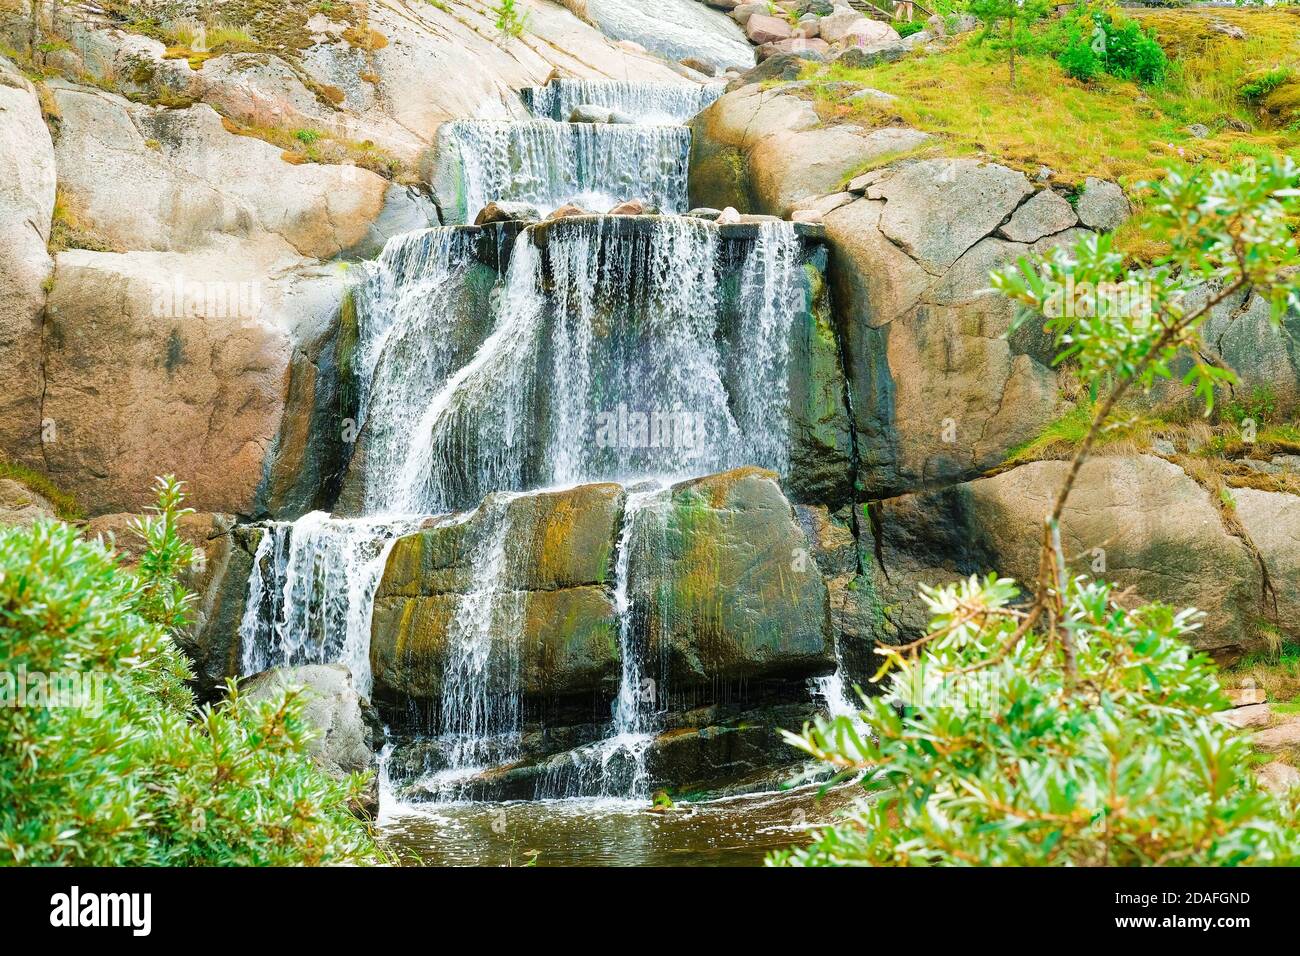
[
  {"x": 730, "y": 592},
  {"x": 676, "y": 29},
  {"x": 940, "y": 391},
  {"x": 1139, "y": 522},
  {"x": 1272, "y": 519},
  {"x": 161, "y": 362},
  {"x": 27, "y": 180},
  {"x": 544, "y": 600},
  {"x": 348, "y": 734}
]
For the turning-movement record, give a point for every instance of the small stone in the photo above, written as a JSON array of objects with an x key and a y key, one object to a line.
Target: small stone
[
  {"x": 633, "y": 207},
  {"x": 805, "y": 49},
  {"x": 1103, "y": 205},
  {"x": 1044, "y": 174},
  {"x": 743, "y": 11},
  {"x": 1229, "y": 30},
  {"x": 1278, "y": 778},
  {"x": 1242, "y": 696},
  {"x": 507, "y": 212},
  {"x": 728, "y": 217},
  {"x": 1253, "y": 715},
  {"x": 1198, "y": 130},
  {"x": 860, "y": 184},
  {"x": 806, "y": 215},
  {"x": 871, "y": 95},
  {"x": 1165, "y": 448},
  {"x": 705, "y": 212}
]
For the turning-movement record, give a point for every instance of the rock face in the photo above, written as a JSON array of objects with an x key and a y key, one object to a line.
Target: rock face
[
  {"x": 938, "y": 389},
  {"x": 1102, "y": 205},
  {"x": 1139, "y": 522},
  {"x": 557, "y": 634},
  {"x": 27, "y": 181},
  {"x": 173, "y": 180},
  {"x": 677, "y": 29},
  {"x": 348, "y": 732},
  {"x": 190, "y": 375}
]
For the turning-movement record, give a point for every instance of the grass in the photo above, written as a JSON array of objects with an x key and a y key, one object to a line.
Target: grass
[
  {"x": 69, "y": 228},
  {"x": 1277, "y": 673},
  {"x": 65, "y": 505},
  {"x": 1109, "y": 127},
  {"x": 316, "y": 146}
]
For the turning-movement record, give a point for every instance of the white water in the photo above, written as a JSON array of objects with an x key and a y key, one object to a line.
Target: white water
[
  {"x": 603, "y": 357},
  {"x": 548, "y": 164},
  {"x": 649, "y": 104},
  {"x": 608, "y": 339},
  {"x": 311, "y": 592}
]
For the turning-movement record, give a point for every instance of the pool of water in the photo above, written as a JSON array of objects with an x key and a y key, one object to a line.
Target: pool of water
[{"x": 735, "y": 831}]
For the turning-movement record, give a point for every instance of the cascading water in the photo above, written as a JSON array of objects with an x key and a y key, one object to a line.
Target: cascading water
[
  {"x": 647, "y": 103},
  {"x": 311, "y": 591},
  {"x": 611, "y": 349},
  {"x": 548, "y": 164},
  {"x": 616, "y": 766},
  {"x": 608, "y": 336}
]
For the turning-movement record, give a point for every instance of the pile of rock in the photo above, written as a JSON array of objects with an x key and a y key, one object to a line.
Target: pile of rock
[
  {"x": 1276, "y": 735},
  {"x": 825, "y": 29}
]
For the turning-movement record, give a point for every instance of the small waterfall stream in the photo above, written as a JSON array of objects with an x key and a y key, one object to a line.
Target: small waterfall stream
[{"x": 611, "y": 349}]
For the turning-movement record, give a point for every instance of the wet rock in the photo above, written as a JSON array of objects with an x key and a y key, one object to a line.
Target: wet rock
[
  {"x": 568, "y": 211},
  {"x": 1102, "y": 205},
  {"x": 507, "y": 212},
  {"x": 556, "y": 625},
  {"x": 699, "y": 66},
  {"x": 675, "y": 29},
  {"x": 633, "y": 207},
  {"x": 704, "y": 212},
  {"x": 745, "y": 600},
  {"x": 586, "y": 113}
]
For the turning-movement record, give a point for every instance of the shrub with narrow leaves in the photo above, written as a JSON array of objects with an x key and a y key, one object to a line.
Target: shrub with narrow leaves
[{"x": 121, "y": 768}]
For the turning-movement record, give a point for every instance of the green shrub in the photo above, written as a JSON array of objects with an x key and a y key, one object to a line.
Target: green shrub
[
  {"x": 121, "y": 768},
  {"x": 1259, "y": 86},
  {"x": 1079, "y": 59},
  {"x": 1117, "y": 45},
  {"x": 910, "y": 27}
]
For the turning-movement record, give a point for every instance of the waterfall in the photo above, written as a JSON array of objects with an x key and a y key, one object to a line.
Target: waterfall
[
  {"x": 311, "y": 590},
  {"x": 479, "y": 706},
  {"x": 616, "y": 766},
  {"x": 604, "y": 365},
  {"x": 413, "y": 311},
  {"x": 648, "y": 103},
  {"x": 548, "y": 164}
]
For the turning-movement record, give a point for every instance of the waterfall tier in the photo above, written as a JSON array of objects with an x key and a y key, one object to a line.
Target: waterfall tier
[
  {"x": 546, "y": 164},
  {"x": 648, "y": 103},
  {"x": 621, "y": 349}
]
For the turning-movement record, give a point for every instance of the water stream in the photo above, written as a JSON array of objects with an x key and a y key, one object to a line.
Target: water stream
[{"x": 609, "y": 349}]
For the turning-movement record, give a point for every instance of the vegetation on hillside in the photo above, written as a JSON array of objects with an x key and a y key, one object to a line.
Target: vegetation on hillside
[
  {"x": 104, "y": 757},
  {"x": 1057, "y": 725},
  {"x": 1128, "y": 124}
]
